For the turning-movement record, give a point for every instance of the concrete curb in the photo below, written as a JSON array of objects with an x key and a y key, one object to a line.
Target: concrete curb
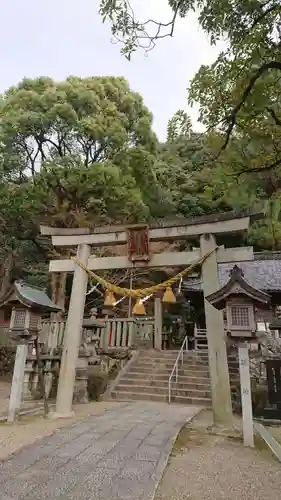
[
  {"x": 107, "y": 395},
  {"x": 269, "y": 440},
  {"x": 30, "y": 411}
]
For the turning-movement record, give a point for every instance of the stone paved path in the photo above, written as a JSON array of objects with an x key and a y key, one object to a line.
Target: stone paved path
[{"x": 120, "y": 454}]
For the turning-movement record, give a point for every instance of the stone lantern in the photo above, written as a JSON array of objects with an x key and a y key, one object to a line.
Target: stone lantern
[
  {"x": 275, "y": 328},
  {"x": 27, "y": 304},
  {"x": 240, "y": 300}
]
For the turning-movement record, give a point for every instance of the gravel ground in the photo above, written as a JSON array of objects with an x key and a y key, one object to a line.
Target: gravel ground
[
  {"x": 31, "y": 428},
  {"x": 204, "y": 467}
]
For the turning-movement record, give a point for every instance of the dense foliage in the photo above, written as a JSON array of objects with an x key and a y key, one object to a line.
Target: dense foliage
[
  {"x": 238, "y": 97},
  {"x": 74, "y": 153},
  {"x": 83, "y": 153}
]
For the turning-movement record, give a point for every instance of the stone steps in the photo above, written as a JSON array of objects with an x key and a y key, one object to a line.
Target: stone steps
[
  {"x": 161, "y": 371},
  {"x": 148, "y": 378},
  {"x": 169, "y": 364},
  {"x": 177, "y": 390},
  {"x": 183, "y": 383},
  {"x": 152, "y": 396},
  {"x": 156, "y": 378}
]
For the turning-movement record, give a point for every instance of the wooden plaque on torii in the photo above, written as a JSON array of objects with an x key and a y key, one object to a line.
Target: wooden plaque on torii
[{"x": 138, "y": 243}]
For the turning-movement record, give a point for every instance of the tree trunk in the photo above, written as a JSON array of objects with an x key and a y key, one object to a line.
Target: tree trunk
[{"x": 5, "y": 273}]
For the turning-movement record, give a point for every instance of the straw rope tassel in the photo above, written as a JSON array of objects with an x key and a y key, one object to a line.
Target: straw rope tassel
[
  {"x": 169, "y": 297},
  {"x": 139, "y": 309}
]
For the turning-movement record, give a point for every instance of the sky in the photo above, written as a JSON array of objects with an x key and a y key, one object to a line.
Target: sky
[{"x": 58, "y": 38}]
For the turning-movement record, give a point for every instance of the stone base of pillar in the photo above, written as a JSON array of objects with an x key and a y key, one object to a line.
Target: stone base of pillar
[{"x": 55, "y": 416}]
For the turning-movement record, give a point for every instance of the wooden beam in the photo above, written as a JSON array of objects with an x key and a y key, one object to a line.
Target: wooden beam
[
  {"x": 160, "y": 234},
  {"x": 165, "y": 259}
]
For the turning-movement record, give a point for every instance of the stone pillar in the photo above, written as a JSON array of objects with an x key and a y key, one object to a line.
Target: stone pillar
[
  {"x": 218, "y": 365},
  {"x": 158, "y": 323},
  {"x": 17, "y": 383},
  {"x": 27, "y": 381},
  {"x": 246, "y": 397},
  {"x": 72, "y": 335}
]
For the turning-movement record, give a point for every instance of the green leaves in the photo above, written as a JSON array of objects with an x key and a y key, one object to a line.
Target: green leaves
[
  {"x": 71, "y": 194},
  {"x": 92, "y": 117},
  {"x": 73, "y": 153}
]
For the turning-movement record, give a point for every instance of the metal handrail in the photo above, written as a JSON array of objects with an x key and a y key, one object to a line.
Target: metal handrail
[{"x": 176, "y": 365}]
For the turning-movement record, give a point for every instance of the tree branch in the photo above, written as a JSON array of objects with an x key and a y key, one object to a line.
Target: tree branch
[
  {"x": 264, "y": 14},
  {"x": 137, "y": 31},
  {"x": 266, "y": 168},
  {"x": 246, "y": 93},
  {"x": 274, "y": 116}
]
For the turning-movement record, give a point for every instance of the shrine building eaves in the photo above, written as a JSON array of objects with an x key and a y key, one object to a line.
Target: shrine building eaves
[{"x": 263, "y": 273}]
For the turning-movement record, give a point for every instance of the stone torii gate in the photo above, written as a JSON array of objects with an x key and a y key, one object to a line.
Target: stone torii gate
[{"x": 205, "y": 228}]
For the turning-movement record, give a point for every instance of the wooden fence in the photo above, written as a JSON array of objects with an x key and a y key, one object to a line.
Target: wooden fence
[
  {"x": 113, "y": 333},
  {"x": 127, "y": 332}
]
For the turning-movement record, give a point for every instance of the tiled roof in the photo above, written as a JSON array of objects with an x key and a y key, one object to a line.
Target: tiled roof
[
  {"x": 35, "y": 296},
  {"x": 263, "y": 273}
]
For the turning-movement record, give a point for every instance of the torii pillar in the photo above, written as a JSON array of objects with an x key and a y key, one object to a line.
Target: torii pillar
[
  {"x": 218, "y": 365},
  {"x": 72, "y": 336}
]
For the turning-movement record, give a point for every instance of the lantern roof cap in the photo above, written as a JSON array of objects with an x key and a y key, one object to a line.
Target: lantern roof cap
[
  {"x": 29, "y": 296},
  {"x": 237, "y": 286},
  {"x": 275, "y": 324}
]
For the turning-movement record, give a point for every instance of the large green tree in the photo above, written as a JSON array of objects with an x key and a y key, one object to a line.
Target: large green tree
[{"x": 73, "y": 153}]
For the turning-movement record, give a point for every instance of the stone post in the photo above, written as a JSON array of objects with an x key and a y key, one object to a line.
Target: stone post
[
  {"x": 17, "y": 383},
  {"x": 218, "y": 365},
  {"x": 158, "y": 323},
  {"x": 246, "y": 397},
  {"x": 27, "y": 381},
  {"x": 72, "y": 335}
]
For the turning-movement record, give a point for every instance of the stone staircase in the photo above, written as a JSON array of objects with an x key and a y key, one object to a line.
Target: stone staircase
[{"x": 147, "y": 378}]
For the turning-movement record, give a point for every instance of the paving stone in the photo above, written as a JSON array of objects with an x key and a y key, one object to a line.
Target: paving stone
[
  {"x": 30, "y": 455},
  {"x": 137, "y": 470},
  {"x": 75, "y": 446},
  {"x": 118, "y": 455},
  {"x": 158, "y": 440},
  {"x": 141, "y": 431},
  {"x": 66, "y": 478},
  {"x": 147, "y": 452},
  {"x": 128, "y": 489},
  {"x": 95, "y": 486},
  {"x": 33, "y": 476}
]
